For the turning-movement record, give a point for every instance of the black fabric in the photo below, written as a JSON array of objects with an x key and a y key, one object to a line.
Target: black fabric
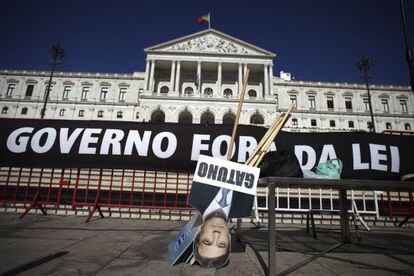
[{"x": 280, "y": 163}]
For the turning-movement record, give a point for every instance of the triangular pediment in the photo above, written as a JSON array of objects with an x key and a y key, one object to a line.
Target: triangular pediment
[{"x": 209, "y": 42}]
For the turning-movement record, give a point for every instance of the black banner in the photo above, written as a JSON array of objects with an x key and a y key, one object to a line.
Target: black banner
[{"x": 176, "y": 147}]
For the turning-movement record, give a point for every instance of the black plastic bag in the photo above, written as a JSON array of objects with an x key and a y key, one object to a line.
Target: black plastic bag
[{"x": 280, "y": 163}]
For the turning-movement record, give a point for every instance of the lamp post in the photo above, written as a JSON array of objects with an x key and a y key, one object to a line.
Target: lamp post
[
  {"x": 409, "y": 55},
  {"x": 363, "y": 66},
  {"x": 57, "y": 54}
]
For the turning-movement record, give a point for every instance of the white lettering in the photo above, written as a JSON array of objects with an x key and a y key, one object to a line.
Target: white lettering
[
  {"x": 356, "y": 154},
  {"x": 112, "y": 137},
  {"x": 171, "y": 145},
  {"x": 198, "y": 146},
  {"x": 15, "y": 142},
  {"x": 215, "y": 150},
  {"x": 66, "y": 142},
  {"x": 50, "y": 140},
  {"x": 311, "y": 154},
  {"x": 395, "y": 159},
  {"x": 141, "y": 145},
  {"x": 328, "y": 152},
  {"x": 376, "y": 157},
  {"x": 87, "y": 139},
  {"x": 247, "y": 144}
]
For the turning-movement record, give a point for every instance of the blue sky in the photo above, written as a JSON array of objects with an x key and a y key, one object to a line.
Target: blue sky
[{"x": 318, "y": 40}]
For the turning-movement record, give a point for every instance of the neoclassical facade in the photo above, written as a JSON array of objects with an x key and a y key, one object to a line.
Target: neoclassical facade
[{"x": 198, "y": 79}]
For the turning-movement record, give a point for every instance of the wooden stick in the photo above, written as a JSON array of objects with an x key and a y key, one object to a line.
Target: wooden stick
[
  {"x": 264, "y": 139},
  {"x": 236, "y": 121},
  {"x": 273, "y": 136}
]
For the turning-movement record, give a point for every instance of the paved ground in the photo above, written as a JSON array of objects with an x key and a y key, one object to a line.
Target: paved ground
[{"x": 59, "y": 245}]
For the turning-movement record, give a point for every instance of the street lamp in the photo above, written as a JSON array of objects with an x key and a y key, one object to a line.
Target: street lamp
[
  {"x": 409, "y": 55},
  {"x": 57, "y": 54},
  {"x": 363, "y": 66}
]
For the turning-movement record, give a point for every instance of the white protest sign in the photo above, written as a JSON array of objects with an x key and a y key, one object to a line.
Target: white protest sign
[{"x": 226, "y": 174}]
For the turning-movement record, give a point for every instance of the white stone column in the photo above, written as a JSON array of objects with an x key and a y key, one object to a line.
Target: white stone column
[
  {"x": 199, "y": 77},
  {"x": 172, "y": 76},
  {"x": 151, "y": 79},
  {"x": 219, "y": 79},
  {"x": 270, "y": 79},
  {"x": 177, "y": 77},
  {"x": 266, "y": 81},
  {"x": 240, "y": 78},
  {"x": 147, "y": 69}
]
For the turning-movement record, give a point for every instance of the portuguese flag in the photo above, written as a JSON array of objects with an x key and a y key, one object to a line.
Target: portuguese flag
[{"x": 204, "y": 19}]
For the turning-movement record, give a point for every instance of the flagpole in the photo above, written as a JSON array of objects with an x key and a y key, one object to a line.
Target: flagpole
[{"x": 209, "y": 19}]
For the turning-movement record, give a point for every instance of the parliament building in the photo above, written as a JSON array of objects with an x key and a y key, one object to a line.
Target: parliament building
[{"x": 198, "y": 79}]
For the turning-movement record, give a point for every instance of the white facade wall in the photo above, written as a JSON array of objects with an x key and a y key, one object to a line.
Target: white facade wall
[{"x": 221, "y": 62}]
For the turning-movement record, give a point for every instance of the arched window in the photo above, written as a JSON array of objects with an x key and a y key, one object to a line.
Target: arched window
[
  {"x": 227, "y": 92},
  {"x": 164, "y": 90},
  {"x": 189, "y": 91},
  {"x": 158, "y": 116},
  {"x": 119, "y": 114},
  {"x": 256, "y": 119},
  {"x": 207, "y": 118},
  {"x": 229, "y": 118},
  {"x": 185, "y": 117},
  {"x": 252, "y": 93},
  {"x": 208, "y": 92}
]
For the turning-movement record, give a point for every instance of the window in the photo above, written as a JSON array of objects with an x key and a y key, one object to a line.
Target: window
[
  {"x": 10, "y": 89},
  {"x": 62, "y": 112},
  {"x": 100, "y": 113},
  {"x": 24, "y": 111},
  {"x": 388, "y": 125},
  {"x": 164, "y": 90},
  {"x": 4, "y": 110},
  {"x": 104, "y": 92},
  {"x": 407, "y": 126},
  {"x": 384, "y": 103},
  {"x": 208, "y": 91},
  {"x": 47, "y": 87},
  {"x": 294, "y": 122},
  {"x": 137, "y": 115},
  {"x": 332, "y": 123},
  {"x": 119, "y": 114},
  {"x": 403, "y": 105},
  {"x": 81, "y": 113},
  {"x": 29, "y": 91},
  {"x": 313, "y": 122},
  {"x": 348, "y": 103},
  {"x": 257, "y": 119},
  {"x": 351, "y": 124},
  {"x": 66, "y": 90},
  {"x": 122, "y": 93},
  {"x": 312, "y": 103},
  {"x": 366, "y": 104},
  {"x": 188, "y": 91},
  {"x": 85, "y": 91},
  {"x": 330, "y": 102},
  {"x": 252, "y": 93},
  {"x": 293, "y": 100},
  {"x": 369, "y": 126},
  {"x": 227, "y": 92}
]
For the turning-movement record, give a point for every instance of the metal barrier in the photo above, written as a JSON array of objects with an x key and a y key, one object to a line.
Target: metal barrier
[
  {"x": 131, "y": 189},
  {"x": 94, "y": 188},
  {"x": 37, "y": 187},
  {"x": 398, "y": 203},
  {"x": 341, "y": 185},
  {"x": 305, "y": 199}
]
